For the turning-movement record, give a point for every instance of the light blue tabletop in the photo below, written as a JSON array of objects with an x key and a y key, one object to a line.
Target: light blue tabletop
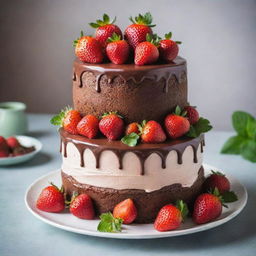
[{"x": 23, "y": 234}]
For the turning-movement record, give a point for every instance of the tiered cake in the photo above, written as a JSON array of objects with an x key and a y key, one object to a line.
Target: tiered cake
[{"x": 110, "y": 171}]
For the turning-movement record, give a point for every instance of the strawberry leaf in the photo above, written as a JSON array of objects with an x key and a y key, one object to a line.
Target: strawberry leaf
[
  {"x": 109, "y": 224},
  {"x": 182, "y": 206},
  {"x": 145, "y": 19},
  {"x": 131, "y": 139},
  {"x": 168, "y": 35},
  {"x": 201, "y": 126},
  {"x": 58, "y": 119},
  {"x": 105, "y": 21},
  {"x": 177, "y": 110},
  {"x": 229, "y": 197}
]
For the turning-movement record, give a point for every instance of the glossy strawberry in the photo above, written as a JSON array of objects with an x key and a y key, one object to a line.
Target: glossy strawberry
[
  {"x": 68, "y": 119},
  {"x": 4, "y": 149},
  {"x": 105, "y": 29},
  {"x": 125, "y": 210},
  {"x": 88, "y": 126},
  {"x": 176, "y": 125},
  {"x": 82, "y": 207},
  {"x": 112, "y": 125},
  {"x": 152, "y": 132},
  {"x": 88, "y": 49},
  {"x": 170, "y": 216},
  {"x": 117, "y": 49},
  {"x": 207, "y": 207},
  {"x": 132, "y": 127},
  {"x": 137, "y": 32},
  {"x": 168, "y": 48},
  {"x": 146, "y": 52},
  {"x": 12, "y": 142},
  {"x": 51, "y": 199},
  {"x": 191, "y": 114},
  {"x": 217, "y": 180}
]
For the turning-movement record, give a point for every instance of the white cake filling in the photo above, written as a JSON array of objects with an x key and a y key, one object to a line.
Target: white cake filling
[{"x": 110, "y": 176}]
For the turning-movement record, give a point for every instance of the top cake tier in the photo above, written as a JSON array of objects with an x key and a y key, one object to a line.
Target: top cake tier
[{"x": 136, "y": 92}]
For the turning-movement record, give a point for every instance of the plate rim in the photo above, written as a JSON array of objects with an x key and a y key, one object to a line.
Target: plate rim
[{"x": 196, "y": 229}]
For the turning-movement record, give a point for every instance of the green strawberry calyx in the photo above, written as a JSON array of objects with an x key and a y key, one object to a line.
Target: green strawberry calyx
[
  {"x": 153, "y": 39},
  {"x": 105, "y": 21},
  {"x": 114, "y": 38},
  {"x": 58, "y": 119},
  {"x": 217, "y": 173},
  {"x": 179, "y": 112},
  {"x": 182, "y": 206},
  {"x": 75, "y": 42},
  {"x": 61, "y": 190},
  {"x": 109, "y": 224},
  {"x": 145, "y": 19},
  {"x": 111, "y": 113},
  {"x": 132, "y": 139},
  {"x": 168, "y": 36},
  {"x": 217, "y": 193}
]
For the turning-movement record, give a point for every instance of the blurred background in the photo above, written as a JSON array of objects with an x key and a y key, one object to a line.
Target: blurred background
[{"x": 219, "y": 43}]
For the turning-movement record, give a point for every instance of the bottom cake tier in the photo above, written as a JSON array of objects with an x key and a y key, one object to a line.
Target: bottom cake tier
[{"x": 152, "y": 175}]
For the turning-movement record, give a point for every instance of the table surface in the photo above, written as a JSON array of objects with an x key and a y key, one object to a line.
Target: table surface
[{"x": 23, "y": 234}]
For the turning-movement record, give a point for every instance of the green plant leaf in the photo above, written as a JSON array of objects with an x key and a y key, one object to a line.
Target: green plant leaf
[
  {"x": 248, "y": 150},
  {"x": 233, "y": 145},
  {"x": 240, "y": 121},
  {"x": 201, "y": 126},
  {"x": 182, "y": 206},
  {"x": 109, "y": 224},
  {"x": 229, "y": 197},
  {"x": 251, "y": 129},
  {"x": 131, "y": 139}
]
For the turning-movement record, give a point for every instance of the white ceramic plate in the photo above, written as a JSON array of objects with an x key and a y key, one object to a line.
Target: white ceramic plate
[
  {"x": 27, "y": 142},
  {"x": 69, "y": 222}
]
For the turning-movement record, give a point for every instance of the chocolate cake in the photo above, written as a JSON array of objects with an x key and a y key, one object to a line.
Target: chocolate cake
[{"x": 151, "y": 174}]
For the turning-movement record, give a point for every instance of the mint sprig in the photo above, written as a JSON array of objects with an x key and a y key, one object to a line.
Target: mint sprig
[
  {"x": 109, "y": 224},
  {"x": 244, "y": 143},
  {"x": 131, "y": 139},
  {"x": 201, "y": 126}
]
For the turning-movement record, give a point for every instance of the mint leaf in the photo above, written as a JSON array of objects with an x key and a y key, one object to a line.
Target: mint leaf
[
  {"x": 233, "y": 145},
  {"x": 131, "y": 139},
  {"x": 240, "y": 120},
  {"x": 248, "y": 151},
  {"x": 251, "y": 129},
  {"x": 229, "y": 197},
  {"x": 201, "y": 126},
  {"x": 109, "y": 224}
]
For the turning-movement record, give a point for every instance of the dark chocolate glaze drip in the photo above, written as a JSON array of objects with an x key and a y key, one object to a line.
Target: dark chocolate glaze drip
[
  {"x": 172, "y": 72},
  {"x": 143, "y": 151}
]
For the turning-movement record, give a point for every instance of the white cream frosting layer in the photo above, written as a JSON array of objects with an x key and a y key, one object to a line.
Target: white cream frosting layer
[{"x": 110, "y": 176}]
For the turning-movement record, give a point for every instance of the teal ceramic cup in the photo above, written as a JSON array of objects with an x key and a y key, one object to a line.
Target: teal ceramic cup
[{"x": 13, "y": 119}]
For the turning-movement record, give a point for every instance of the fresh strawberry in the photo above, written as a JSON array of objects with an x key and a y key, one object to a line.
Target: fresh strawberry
[
  {"x": 137, "y": 32},
  {"x": 207, "y": 207},
  {"x": 176, "y": 124},
  {"x": 12, "y": 142},
  {"x": 217, "y": 180},
  {"x": 51, "y": 199},
  {"x": 125, "y": 210},
  {"x": 117, "y": 49},
  {"x": 68, "y": 119},
  {"x": 191, "y": 114},
  {"x": 82, "y": 207},
  {"x": 4, "y": 148},
  {"x": 88, "y": 126},
  {"x": 168, "y": 48},
  {"x": 112, "y": 125},
  {"x": 132, "y": 127},
  {"x": 88, "y": 49},
  {"x": 152, "y": 132},
  {"x": 170, "y": 216},
  {"x": 105, "y": 29}
]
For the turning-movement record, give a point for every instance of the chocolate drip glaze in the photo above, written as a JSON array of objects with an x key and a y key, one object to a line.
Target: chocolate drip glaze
[
  {"x": 143, "y": 151},
  {"x": 131, "y": 72}
]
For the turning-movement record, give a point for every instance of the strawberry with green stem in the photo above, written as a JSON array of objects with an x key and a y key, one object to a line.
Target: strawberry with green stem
[
  {"x": 105, "y": 29},
  {"x": 147, "y": 51},
  {"x": 117, "y": 50},
  {"x": 88, "y": 49},
  {"x": 137, "y": 32},
  {"x": 68, "y": 118},
  {"x": 168, "y": 48}
]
